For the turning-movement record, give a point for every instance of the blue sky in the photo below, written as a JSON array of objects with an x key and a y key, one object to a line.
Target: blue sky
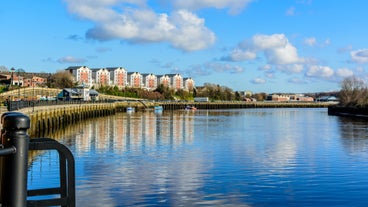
[{"x": 256, "y": 45}]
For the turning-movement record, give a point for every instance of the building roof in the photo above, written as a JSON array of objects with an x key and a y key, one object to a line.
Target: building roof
[{"x": 74, "y": 67}]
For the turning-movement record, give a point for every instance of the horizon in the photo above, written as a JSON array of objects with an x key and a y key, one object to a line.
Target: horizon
[{"x": 298, "y": 46}]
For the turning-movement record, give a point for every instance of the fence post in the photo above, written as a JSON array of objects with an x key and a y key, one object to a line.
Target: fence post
[{"x": 14, "y": 166}]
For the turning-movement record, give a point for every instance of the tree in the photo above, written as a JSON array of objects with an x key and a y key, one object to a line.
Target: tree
[
  {"x": 3, "y": 69},
  {"x": 62, "y": 79},
  {"x": 353, "y": 92},
  {"x": 260, "y": 96}
]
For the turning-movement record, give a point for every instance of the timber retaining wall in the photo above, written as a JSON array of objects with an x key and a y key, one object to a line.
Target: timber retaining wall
[{"x": 49, "y": 119}]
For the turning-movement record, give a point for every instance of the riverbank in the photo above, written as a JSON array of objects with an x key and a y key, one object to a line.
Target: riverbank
[{"x": 358, "y": 112}]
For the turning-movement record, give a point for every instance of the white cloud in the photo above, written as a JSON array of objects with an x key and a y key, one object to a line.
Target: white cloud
[
  {"x": 134, "y": 21},
  {"x": 291, "y": 68},
  {"x": 220, "y": 67},
  {"x": 359, "y": 56},
  {"x": 318, "y": 71},
  {"x": 266, "y": 67},
  {"x": 71, "y": 59},
  {"x": 311, "y": 41},
  {"x": 235, "y": 6},
  {"x": 344, "y": 72},
  {"x": 276, "y": 48},
  {"x": 258, "y": 81},
  {"x": 241, "y": 55}
]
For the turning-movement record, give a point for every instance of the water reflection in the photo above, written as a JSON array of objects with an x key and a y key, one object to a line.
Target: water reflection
[
  {"x": 124, "y": 132},
  {"x": 253, "y": 157},
  {"x": 354, "y": 134}
]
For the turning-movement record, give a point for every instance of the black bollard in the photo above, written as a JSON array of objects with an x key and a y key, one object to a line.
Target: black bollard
[
  {"x": 14, "y": 166},
  {"x": 2, "y": 146}
]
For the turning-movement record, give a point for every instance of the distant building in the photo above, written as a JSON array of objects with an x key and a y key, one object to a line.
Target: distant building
[
  {"x": 82, "y": 74},
  {"x": 289, "y": 97},
  {"x": 188, "y": 84},
  {"x": 101, "y": 76},
  {"x": 119, "y": 76},
  {"x": 301, "y": 97},
  {"x": 327, "y": 99},
  {"x": 135, "y": 80},
  {"x": 176, "y": 81},
  {"x": 164, "y": 80},
  {"x": 150, "y": 81},
  {"x": 277, "y": 97},
  {"x": 34, "y": 81}
]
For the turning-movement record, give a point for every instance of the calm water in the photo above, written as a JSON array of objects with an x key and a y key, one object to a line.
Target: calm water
[{"x": 247, "y": 157}]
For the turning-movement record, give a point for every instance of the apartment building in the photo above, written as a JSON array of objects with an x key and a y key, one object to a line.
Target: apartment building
[
  {"x": 118, "y": 76},
  {"x": 82, "y": 74}
]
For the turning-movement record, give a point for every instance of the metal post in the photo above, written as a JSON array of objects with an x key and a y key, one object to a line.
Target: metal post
[{"x": 14, "y": 166}]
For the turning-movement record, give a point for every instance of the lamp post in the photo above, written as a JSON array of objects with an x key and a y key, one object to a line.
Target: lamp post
[
  {"x": 18, "y": 85},
  {"x": 12, "y": 77},
  {"x": 33, "y": 85}
]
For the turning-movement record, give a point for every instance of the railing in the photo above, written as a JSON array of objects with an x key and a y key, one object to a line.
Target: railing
[
  {"x": 16, "y": 105},
  {"x": 15, "y": 144}
]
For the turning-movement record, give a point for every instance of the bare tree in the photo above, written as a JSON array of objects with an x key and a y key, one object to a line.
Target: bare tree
[
  {"x": 353, "y": 92},
  {"x": 3, "y": 69},
  {"x": 62, "y": 79}
]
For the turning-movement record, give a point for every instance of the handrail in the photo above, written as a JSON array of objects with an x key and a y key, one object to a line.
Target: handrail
[
  {"x": 14, "y": 147},
  {"x": 67, "y": 175}
]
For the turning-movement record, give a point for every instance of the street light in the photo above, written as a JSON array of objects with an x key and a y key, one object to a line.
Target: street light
[
  {"x": 18, "y": 85},
  {"x": 33, "y": 85}
]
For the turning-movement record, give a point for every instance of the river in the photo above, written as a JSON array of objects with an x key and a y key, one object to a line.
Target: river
[{"x": 242, "y": 157}]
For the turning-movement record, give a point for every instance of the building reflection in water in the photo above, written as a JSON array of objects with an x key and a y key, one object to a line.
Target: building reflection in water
[{"x": 122, "y": 132}]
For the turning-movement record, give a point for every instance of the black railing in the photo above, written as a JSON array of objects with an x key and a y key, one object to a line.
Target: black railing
[
  {"x": 67, "y": 175},
  {"x": 15, "y": 144},
  {"x": 16, "y": 105}
]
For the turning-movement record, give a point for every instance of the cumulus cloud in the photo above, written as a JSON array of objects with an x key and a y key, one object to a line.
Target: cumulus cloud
[
  {"x": 235, "y": 6},
  {"x": 71, "y": 59},
  {"x": 317, "y": 71},
  {"x": 135, "y": 22},
  {"x": 312, "y": 41},
  {"x": 266, "y": 67},
  {"x": 276, "y": 48},
  {"x": 344, "y": 72},
  {"x": 227, "y": 68},
  {"x": 240, "y": 55},
  {"x": 258, "y": 81},
  {"x": 291, "y": 68},
  {"x": 359, "y": 56}
]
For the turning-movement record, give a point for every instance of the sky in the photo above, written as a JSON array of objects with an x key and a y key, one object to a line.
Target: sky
[{"x": 271, "y": 46}]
